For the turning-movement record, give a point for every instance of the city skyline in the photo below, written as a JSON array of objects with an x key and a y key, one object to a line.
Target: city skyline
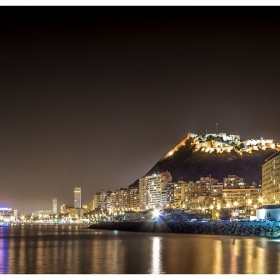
[
  {"x": 158, "y": 191},
  {"x": 77, "y": 201},
  {"x": 95, "y": 98}
]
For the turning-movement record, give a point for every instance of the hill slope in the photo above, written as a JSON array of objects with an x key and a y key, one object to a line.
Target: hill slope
[{"x": 187, "y": 163}]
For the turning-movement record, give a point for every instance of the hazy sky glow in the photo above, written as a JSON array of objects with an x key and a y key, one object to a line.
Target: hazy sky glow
[{"x": 95, "y": 96}]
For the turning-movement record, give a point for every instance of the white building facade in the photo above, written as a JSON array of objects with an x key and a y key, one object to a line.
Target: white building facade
[
  {"x": 152, "y": 190},
  {"x": 54, "y": 205},
  {"x": 271, "y": 180},
  {"x": 269, "y": 212}
]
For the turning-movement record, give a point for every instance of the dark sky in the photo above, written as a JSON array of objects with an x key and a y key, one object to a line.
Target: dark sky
[{"x": 94, "y": 96}]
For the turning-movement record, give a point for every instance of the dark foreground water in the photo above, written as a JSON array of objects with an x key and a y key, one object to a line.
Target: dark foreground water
[{"x": 74, "y": 249}]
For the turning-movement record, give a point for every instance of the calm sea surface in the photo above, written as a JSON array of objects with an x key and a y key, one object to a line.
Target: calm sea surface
[{"x": 75, "y": 249}]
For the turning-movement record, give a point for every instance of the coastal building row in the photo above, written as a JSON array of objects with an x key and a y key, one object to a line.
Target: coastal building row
[
  {"x": 120, "y": 200},
  {"x": 158, "y": 191},
  {"x": 202, "y": 194}
]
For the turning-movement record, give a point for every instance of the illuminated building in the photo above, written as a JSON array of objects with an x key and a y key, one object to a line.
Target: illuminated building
[
  {"x": 41, "y": 214},
  {"x": 99, "y": 200},
  {"x": 54, "y": 205},
  {"x": 201, "y": 192},
  {"x": 111, "y": 201},
  {"x": 217, "y": 191},
  {"x": 7, "y": 215},
  {"x": 15, "y": 214},
  {"x": 271, "y": 179},
  {"x": 133, "y": 198},
  {"x": 143, "y": 193},
  {"x": 64, "y": 208},
  {"x": 176, "y": 195},
  {"x": 233, "y": 181},
  {"x": 67, "y": 209},
  {"x": 244, "y": 198},
  {"x": 128, "y": 198},
  {"x": 190, "y": 195},
  {"x": 87, "y": 207},
  {"x": 123, "y": 199},
  {"x": 269, "y": 212},
  {"x": 152, "y": 190},
  {"x": 119, "y": 199},
  {"x": 204, "y": 186},
  {"x": 96, "y": 201},
  {"x": 77, "y": 197}
]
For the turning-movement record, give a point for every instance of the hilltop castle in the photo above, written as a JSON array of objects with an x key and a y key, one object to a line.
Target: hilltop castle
[{"x": 222, "y": 142}]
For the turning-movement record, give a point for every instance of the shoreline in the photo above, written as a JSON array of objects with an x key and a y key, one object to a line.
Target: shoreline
[{"x": 269, "y": 230}]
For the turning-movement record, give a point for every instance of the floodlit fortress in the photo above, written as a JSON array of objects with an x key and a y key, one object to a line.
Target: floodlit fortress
[{"x": 221, "y": 143}]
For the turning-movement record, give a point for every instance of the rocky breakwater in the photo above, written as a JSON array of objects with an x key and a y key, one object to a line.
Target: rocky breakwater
[{"x": 263, "y": 229}]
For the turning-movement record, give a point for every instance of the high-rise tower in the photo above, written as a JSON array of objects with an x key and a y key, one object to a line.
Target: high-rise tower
[
  {"x": 152, "y": 190},
  {"x": 77, "y": 197},
  {"x": 54, "y": 205},
  {"x": 271, "y": 179}
]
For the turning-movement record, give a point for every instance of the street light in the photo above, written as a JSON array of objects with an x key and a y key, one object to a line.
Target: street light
[
  {"x": 156, "y": 214},
  {"x": 249, "y": 202},
  {"x": 235, "y": 204},
  {"x": 211, "y": 208}
]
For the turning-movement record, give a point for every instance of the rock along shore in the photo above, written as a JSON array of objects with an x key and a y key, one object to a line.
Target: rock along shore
[{"x": 263, "y": 229}]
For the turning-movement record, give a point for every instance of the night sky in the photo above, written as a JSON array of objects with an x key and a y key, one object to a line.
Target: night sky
[{"x": 95, "y": 96}]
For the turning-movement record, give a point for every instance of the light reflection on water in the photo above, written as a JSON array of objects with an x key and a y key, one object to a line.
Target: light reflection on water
[
  {"x": 73, "y": 249},
  {"x": 218, "y": 257},
  {"x": 3, "y": 256},
  {"x": 156, "y": 266}
]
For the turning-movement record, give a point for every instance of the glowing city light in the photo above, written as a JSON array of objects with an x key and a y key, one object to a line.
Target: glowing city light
[
  {"x": 249, "y": 201},
  {"x": 156, "y": 213}
]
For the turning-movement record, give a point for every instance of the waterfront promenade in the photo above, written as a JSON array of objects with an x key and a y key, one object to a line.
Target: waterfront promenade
[{"x": 237, "y": 228}]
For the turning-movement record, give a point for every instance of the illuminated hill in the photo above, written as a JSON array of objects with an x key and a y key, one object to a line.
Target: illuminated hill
[
  {"x": 222, "y": 143},
  {"x": 217, "y": 154}
]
